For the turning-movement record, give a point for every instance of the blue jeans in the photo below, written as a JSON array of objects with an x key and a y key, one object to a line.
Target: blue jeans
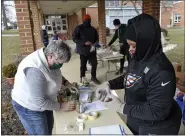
[{"x": 35, "y": 122}]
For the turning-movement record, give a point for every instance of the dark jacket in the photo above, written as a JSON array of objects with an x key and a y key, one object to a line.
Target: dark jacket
[
  {"x": 150, "y": 83},
  {"x": 119, "y": 33},
  {"x": 45, "y": 39},
  {"x": 83, "y": 34}
]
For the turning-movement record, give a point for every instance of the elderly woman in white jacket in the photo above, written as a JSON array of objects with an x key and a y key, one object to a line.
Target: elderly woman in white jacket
[{"x": 37, "y": 83}]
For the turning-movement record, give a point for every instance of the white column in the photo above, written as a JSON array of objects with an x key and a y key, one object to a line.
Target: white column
[{"x": 160, "y": 13}]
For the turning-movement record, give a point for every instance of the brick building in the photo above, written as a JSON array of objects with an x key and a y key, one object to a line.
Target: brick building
[
  {"x": 178, "y": 14},
  {"x": 32, "y": 14},
  {"x": 172, "y": 14}
]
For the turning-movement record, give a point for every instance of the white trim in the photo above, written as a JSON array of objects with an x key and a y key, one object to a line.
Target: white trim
[
  {"x": 115, "y": 7},
  {"x": 160, "y": 15},
  {"x": 177, "y": 2},
  {"x": 123, "y": 8},
  {"x": 92, "y": 7}
]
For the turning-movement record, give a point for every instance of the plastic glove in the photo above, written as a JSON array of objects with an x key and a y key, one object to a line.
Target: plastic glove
[
  {"x": 115, "y": 104},
  {"x": 103, "y": 92},
  {"x": 92, "y": 48}
]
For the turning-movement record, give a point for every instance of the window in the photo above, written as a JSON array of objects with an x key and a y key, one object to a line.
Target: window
[
  {"x": 58, "y": 28},
  {"x": 64, "y": 28},
  {"x": 56, "y": 23},
  {"x": 49, "y": 28},
  {"x": 177, "y": 18},
  {"x": 63, "y": 21}
]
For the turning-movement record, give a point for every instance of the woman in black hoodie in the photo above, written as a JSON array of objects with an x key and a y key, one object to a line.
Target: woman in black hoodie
[{"x": 149, "y": 83}]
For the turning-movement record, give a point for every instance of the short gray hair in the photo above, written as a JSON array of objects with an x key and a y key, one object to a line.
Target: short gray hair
[{"x": 59, "y": 49}]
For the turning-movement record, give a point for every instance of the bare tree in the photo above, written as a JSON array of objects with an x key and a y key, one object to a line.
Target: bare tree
[
  {"x": 5, "y": 11},
  {"x": 5, "y": 22},
  {"x": 134, "y": 3}
]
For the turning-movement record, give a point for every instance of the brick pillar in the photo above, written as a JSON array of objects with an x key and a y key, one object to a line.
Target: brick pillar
[
  {"x": 29, "y": 25},
  {"x": 152, "y": 7},
  {"x": 72, "y": 23},
  {"x": 101, "y": 21},
  {"x": 36, "y": 23},
  {"x": 25, "y": 31}
]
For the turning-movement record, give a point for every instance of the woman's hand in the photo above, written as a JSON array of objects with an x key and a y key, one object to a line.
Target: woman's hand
[
  {"x": 103, "y": 92},
  {"x": 67, "y": 106}
]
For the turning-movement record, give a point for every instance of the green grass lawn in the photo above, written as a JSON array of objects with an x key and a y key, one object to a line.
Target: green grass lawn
[
  {"x": 10, "y": 48},
  {"x": 176, "y": 37},
  {"x": 10, "y": 31}
]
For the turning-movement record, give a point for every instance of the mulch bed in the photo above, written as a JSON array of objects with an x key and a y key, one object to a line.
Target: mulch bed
[{"x": 10, "y": 123}]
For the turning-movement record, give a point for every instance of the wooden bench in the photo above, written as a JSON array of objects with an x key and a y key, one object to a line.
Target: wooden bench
[{"x": 180, "y": 77}]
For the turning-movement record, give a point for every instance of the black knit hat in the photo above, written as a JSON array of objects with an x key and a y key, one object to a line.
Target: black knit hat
[{"x": 116, "y": 22}]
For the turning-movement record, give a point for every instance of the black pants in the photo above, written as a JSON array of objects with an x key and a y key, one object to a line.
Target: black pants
[
  {"x": 83, "y": 61},
  {"x": 124, "y": 51}
]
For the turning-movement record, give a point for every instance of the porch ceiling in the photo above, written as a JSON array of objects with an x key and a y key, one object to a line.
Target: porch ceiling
[{"x": 63, "y": 6}]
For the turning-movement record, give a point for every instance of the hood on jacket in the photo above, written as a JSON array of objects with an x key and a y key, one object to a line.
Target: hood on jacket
[{"x": 146, "y": 32}]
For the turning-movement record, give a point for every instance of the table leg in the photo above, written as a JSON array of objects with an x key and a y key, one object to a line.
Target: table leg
[{"x": 107, "y": 70}]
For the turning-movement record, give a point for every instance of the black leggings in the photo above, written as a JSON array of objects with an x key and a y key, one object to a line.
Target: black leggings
[{"x": 83, "y": 62}]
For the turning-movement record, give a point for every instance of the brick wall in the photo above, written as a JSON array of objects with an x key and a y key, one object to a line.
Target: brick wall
[
  {"x": 101, "y": 21},
  {"x": 93, "y": 12},
  {"x": 29, "y": 25},
  {"x": 24, "y": 24},
  {"x": 152, "y": 7}
]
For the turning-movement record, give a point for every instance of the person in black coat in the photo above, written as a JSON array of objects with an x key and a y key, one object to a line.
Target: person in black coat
[
  {"x": 86, "y": 37},
  {"x": 45, "y": 38},
  {"x": 119, "y": 33},
  {"x": 150, "y": 83}
]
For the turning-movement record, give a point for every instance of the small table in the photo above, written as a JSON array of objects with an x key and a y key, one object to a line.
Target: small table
[
  {"x": 107, "y": 117},
  {"x": 112, "y": 59}
]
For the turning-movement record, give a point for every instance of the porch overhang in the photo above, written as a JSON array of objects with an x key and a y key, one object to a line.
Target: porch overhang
[{"x": 63, "y": 6}]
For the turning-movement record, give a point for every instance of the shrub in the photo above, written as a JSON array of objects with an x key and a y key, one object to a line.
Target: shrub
[{"x": 10, "y": 70}]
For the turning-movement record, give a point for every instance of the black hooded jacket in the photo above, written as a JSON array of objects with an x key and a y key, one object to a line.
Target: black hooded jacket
[
  {"x": 83, "y": 33},
  {"x": 150, "y": 82}
]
